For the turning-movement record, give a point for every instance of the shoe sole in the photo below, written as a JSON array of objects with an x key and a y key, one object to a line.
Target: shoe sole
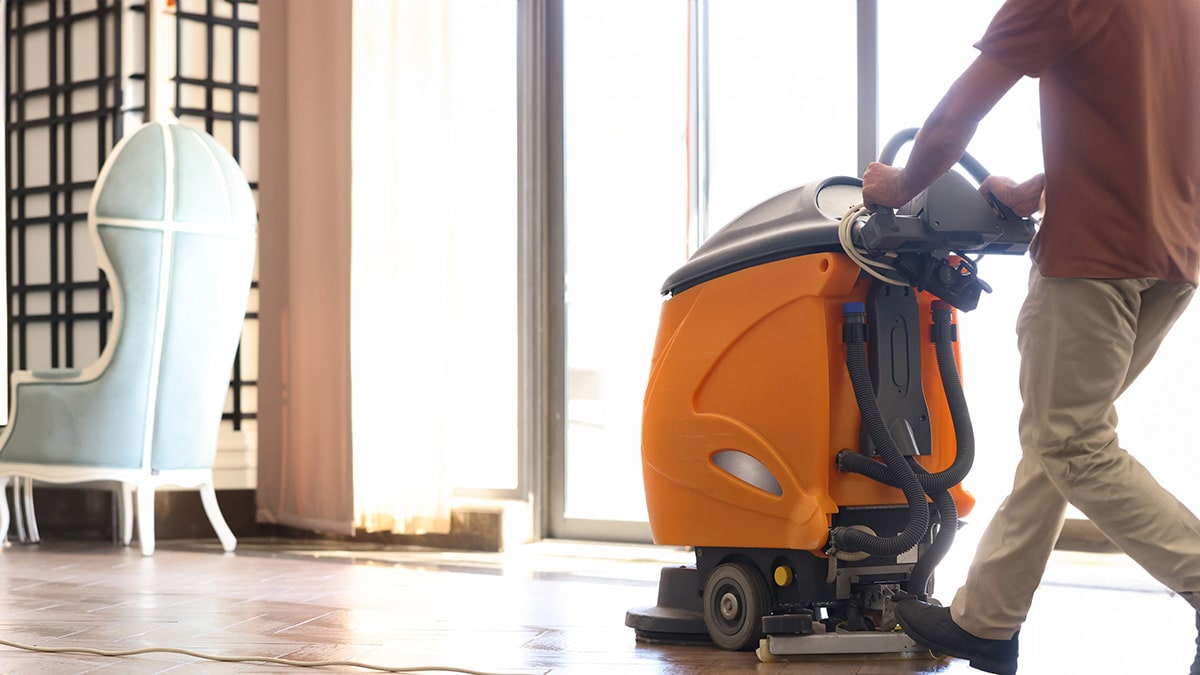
[{"x": 979, "y": 663}]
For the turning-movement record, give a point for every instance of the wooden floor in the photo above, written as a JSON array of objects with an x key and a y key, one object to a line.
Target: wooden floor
[{"x": 553, "y": 607}]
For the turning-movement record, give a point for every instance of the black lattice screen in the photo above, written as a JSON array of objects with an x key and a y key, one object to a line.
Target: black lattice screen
[
  {"x": 75, "y": 83},
  {"x": 65, "y": 112},
  {"x": 216, "y": 89}
]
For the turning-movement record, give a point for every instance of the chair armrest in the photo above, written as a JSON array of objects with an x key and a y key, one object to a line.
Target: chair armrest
[{"x": 55, "y": 374}]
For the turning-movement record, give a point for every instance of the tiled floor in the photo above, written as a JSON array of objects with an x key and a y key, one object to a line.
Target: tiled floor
[{"x": 547, "y": 608}]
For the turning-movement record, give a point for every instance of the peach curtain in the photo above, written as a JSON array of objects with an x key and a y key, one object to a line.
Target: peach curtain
[{"x": 305, "y": 440}]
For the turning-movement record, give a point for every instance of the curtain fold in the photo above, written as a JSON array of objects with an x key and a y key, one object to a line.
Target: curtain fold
[
  {"x": 402, "y": 268},
  {"x": 388, "y": 201},
  {"x": 304, "y": 455}
]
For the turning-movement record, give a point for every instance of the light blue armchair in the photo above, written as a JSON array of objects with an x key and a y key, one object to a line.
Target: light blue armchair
[{"x": 174, "y": 225}]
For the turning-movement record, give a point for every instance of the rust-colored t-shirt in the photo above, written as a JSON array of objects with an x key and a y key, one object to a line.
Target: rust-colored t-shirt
[{"x": 1120, "y": 98}]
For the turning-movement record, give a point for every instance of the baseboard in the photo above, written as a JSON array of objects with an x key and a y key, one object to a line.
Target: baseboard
[
  {"x": 472, "y": 528},
  {"x": 89, "y": 513},
  {"x": 1079, "y": 534}
]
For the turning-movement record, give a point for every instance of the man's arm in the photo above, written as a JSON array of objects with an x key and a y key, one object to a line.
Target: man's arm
[{"x": 944, "y": 136}]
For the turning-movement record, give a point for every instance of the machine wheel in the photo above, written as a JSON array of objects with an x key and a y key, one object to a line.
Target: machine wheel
[{"x": 735, "y": 601}]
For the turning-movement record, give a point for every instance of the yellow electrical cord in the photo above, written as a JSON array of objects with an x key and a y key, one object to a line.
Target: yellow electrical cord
[{"x": 242, "y": 659}]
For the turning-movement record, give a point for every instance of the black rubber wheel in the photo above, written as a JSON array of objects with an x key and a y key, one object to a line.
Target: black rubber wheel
[{"x": 735, "y": 601}]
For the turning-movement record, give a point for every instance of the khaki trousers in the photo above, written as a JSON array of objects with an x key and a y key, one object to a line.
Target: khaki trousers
[{"x": 1082, "y": 343}]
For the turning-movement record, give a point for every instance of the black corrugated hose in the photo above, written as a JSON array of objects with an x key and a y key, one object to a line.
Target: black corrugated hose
[
  {"x": 947, "y": 527},
  {"x": 936, "y": 485},
  {"x": 849, "y": 539},
  {"x": 964, "y": 433}
]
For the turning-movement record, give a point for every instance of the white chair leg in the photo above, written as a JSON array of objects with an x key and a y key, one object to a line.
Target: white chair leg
[
  {"x": 145, "y": 518},
  {"x": 208, "y": 497},
  {"x": 30, "y": 515},
  {"x": 18, "y": 515},
  {"x": 4, "y": 517},
  {"x": 125, "y": 515}
]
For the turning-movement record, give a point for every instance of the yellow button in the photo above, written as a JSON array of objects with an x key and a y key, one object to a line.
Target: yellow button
[{"x": 783, "y": 575}]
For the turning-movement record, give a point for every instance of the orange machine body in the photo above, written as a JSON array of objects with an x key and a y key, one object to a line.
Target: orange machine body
[{"x": 754, "y": 362}]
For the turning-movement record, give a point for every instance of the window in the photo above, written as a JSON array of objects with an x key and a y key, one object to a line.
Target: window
[
  {"x": 434, "y": 280},
  {"x": 769, "y": 106},
  {"x": 782, "y": 106},
  {"x": 625, "y": 175}
]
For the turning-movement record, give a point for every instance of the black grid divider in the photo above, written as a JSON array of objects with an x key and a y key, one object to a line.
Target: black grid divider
[
  {"x": 51, "y": 103},
  {"x": 56, "y": 107},
  {"x": 224, "y": 114}
]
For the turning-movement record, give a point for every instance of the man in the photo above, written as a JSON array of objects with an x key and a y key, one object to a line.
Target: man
[{"x": 1116, "y": 261}]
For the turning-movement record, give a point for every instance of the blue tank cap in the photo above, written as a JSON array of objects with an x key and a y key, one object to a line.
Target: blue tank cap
[{"x": 854, "y": 308}]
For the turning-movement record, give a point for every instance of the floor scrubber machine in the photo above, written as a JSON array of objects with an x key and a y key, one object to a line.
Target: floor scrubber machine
[{"x": 804, "y": 427}]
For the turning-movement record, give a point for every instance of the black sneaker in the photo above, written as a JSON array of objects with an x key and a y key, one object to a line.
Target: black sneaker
[
  {"x": 932, "y": 627},
  {"x": 1196, "y": 663}
]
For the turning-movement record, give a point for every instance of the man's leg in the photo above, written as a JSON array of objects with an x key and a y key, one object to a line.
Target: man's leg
[
  {"x": 1011, "y": 556},
  {"x": 1017, "y": 543},
  {"x": 1078, "y": 441},
  {"x": 1082, "y": 342}
]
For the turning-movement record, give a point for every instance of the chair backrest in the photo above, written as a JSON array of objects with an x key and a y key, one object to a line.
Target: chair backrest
[{"x": 175, "y": 224}]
